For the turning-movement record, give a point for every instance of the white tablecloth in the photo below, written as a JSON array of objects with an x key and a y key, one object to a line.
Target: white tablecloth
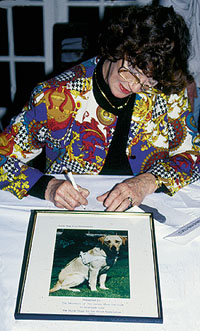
[{"x": 179, "y": 266}]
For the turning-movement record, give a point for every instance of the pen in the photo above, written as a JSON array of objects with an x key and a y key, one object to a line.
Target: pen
[{"x": 72, "y": 180}]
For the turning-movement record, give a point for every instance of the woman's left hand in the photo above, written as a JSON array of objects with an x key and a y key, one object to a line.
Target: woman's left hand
[{"x": 132, "y": 191}]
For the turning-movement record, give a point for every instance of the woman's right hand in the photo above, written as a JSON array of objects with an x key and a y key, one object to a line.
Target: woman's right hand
[{"x": 64, "y": 195}]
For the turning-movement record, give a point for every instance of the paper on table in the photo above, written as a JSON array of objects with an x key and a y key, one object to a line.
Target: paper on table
[
  {"x": 185, "y": 233},
  {"x": 177, "y": 210},
  {"x": 97, "y": 185}
]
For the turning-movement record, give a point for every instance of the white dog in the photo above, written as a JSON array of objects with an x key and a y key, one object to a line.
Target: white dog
[{"x": 89, "y": 265}]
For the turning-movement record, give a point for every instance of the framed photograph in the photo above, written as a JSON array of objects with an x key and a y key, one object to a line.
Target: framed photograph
[{"x": 90, "y": 266}]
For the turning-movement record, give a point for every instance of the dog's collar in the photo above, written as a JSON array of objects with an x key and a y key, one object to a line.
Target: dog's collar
[{"x": 86, "y": 257}]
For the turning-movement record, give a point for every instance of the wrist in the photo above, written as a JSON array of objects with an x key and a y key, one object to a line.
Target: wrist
[
  {"x": 158, "y": 181},
  {"x": 147, "y": 181},
  {"x": 39, "y": 188},
  {"x": 48, "y": 191}
]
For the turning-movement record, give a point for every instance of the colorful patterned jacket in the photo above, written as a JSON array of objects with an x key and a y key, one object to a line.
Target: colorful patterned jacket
[{"x": 64, "y": 118}]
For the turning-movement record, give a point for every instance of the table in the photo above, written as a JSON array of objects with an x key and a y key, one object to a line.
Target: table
[{"x": 179, "y": 266}]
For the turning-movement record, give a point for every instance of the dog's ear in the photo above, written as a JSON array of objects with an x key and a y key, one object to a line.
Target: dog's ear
[
  {"x": 101, "y": 239},
  {"x": 124, "y": 239}
]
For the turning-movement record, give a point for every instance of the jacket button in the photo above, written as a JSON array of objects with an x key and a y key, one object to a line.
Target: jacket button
[{"x": 132, "y": 157}]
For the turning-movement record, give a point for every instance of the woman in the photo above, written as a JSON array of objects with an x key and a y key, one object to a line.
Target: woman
[{"x": 124, "y": 113}]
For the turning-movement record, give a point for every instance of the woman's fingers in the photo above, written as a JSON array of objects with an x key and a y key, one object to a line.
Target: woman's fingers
[
  {"x": 129, "y": 193},
  {"x": 63, "y": 194},
  {"x": 118, "y": 199}
]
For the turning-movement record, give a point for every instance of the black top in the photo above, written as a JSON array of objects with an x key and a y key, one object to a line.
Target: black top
[{"x": 116, "y": 162}]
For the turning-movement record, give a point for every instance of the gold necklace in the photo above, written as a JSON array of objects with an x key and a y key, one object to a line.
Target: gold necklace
[{"x": 104, "y": 95}]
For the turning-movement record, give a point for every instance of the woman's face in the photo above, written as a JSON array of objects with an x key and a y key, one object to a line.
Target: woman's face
[{"x": 121, "y": 87}]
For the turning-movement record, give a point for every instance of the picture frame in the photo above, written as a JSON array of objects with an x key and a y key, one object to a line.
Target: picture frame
[{"x": 98, "y": 266}]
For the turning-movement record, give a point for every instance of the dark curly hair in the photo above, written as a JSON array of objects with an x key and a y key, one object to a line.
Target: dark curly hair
[{"x": 153, "y": 38}]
